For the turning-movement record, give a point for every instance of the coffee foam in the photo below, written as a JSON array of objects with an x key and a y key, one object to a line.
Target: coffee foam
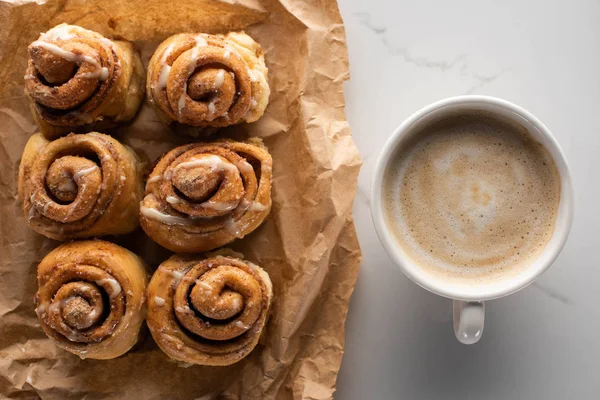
[{"x": 471, "y": 198}]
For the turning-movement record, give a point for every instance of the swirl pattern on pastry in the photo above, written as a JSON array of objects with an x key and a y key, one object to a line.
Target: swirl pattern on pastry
[
  {"x": 208, "y": 311},
  {"x": 91, "y": 298},
  {"x": 202, "y": 196},
  {"x": 77, "y": 77},
  {"x": 209, "y": 80},
  {"x": 80, "y": 186}
]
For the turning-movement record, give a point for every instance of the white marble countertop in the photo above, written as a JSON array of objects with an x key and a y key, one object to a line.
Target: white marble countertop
[{"x": 543, "y": 342}]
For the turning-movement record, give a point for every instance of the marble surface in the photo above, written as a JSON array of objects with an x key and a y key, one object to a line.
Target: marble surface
[{"x": 544, "y": 341}]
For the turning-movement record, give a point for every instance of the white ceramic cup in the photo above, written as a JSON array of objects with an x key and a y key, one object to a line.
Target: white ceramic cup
[{"x": 468, "y": 306}]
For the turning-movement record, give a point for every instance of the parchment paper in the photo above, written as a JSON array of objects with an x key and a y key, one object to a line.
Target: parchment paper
[{"x": 308, "y": 244}]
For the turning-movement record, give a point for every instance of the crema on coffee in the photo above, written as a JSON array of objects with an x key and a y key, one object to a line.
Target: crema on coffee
[{"x": 472, "y": 199}]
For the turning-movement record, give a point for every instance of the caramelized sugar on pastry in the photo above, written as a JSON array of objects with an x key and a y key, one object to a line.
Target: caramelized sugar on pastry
[
  {"x": 91, "y": 298},
  {"x": 204, "y": 195},
  {"x": 76, "y": 78},
  {"x": 208, "y": 311},
  {"x": 80, "y": 186},
  {"x": 208, "y": 80}
]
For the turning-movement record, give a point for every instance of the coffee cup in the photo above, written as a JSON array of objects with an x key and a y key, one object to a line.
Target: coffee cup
[{"x": 469, "y": 295}]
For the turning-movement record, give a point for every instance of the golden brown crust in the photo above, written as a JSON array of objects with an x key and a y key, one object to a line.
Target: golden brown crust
[
  {"x": 204, "y": 195},
  {"x": 76, "y": 78},
  {"x": 80, "y": 186},
  {"x": 91, "y": 298},
  {"x": 208, "y": 311},
  {"x": 208, "y": 80}
]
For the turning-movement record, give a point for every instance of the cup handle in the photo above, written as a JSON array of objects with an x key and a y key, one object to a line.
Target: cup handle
[{"x": 468, "y": 319}]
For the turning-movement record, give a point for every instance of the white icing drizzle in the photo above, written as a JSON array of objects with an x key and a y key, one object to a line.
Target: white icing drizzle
[
  {"x": 181, "y": 102},
  {"x": 211, "y": 109},
  {"x": 213, "y": 161},
  {"x": 184, "y": 310},
  {"x": 159, "y": 301},
  {"x": 203, "y": 285},
  {"x": 236, "y": 302},
  {"x": 108, "y": 42},
  {"x": 89, "y": 319},
  {"x": 172, "y": 340},
  {"x": 83, "y": 172},
  {"x": 253, "y": 103},
  {"x": 29, "y": 76},
  {"x": 67, "y": 186},
  {"x": 256, "y": 206},
  {"x": 41, "y": 309},
  {"x": 219, "y": 79},
  {"x": 46, "y": 207},
  {"x": 176, "y": 275},
  {"x": 71, "y": 209},
  {"x": 55, "y": 306},
  {"x": 241, "y": 325},
  {"x": 163, "y": 77},
  {"x": 155, "y": 178},
  {"x": 101, "y": 74},
  {"x": 123, "y": 178},
  {"x": 153, "y": 213},
  {"x": 232, "y": 227},
  {"x": 244, "y": 166},
  {"x": 116, "y": 288},
  {"x": 31, "y": 213},
  {"x": 200, "y": 41},
  {"x": 173, "y": 200},
  {"x": 60, "y": 32},
  {"x": 104, "y": 74},
  {"x": 254, "y": 75},
  {"x": 165, "y": 69},
  {"x": 72, "y": 57},
  {"x": 242, "y": 40},
  {"x": 207, "y": 161},
  {"x": 219, "y": 205}
]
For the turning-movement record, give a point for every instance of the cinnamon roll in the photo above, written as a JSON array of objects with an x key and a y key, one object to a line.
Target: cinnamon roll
[
  {"x": 208, "y": 80},
  {"x": 91, "y": 298},
  {"x": 80, "y": 186},
  {"x": 208, "y": 311},
  {"x": 204, "y": 195},
  {"x": 76, "y": 78}
]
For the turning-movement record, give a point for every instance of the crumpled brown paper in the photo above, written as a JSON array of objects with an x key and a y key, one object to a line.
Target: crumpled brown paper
[{"x": 308, "y": 244}]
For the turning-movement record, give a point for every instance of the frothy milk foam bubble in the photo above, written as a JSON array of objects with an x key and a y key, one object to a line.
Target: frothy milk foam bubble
[{"x": 472, "y": 199}]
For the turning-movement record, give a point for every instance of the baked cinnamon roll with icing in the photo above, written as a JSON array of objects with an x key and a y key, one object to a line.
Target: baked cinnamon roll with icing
[
  {"x": 204, "y": 195},
  {"x": 208, "y": 80},
  {"x": 80, "y": 186},
  {"x": 91, "y": 298},
  {"x": 208, "y": 310},
  {"x": 77, "y": 79}
]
